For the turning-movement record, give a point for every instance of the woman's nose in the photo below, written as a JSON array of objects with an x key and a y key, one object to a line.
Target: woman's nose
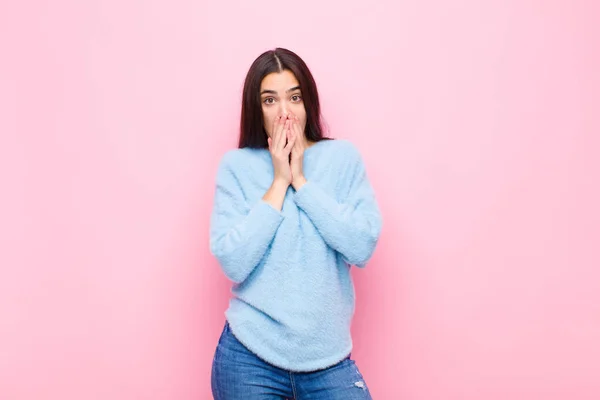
[{"x": 283, "y": 109}]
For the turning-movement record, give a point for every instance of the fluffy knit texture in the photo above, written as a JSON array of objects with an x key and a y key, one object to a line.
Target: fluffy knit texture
[{"x": 292, "y": 295}]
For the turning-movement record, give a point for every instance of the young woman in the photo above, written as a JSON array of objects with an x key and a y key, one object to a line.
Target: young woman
[{"x": 293, "y": 211}]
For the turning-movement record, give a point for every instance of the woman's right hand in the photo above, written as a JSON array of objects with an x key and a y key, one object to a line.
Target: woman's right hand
[{"x": 280, "y": 151}]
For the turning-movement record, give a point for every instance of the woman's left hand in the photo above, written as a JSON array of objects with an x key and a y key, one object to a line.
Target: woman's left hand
[{"x": 297, "y": 154}]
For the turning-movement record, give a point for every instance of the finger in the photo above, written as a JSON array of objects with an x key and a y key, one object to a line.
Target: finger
[
  {"x": 289, "y": 147},
  {"x": 296, "y": 125},
  {"x": 274, "y": 128},
  {"x": 277, "y": 133},
  {"x": 296, "y": 128},
  {"x": 282, "y": 128},
  {"x": 282, "y": 144},
  {"x": 301, "y": 134},
  {"x": 287, "y": 138},
  {"x": 291, "y": 141},
  {"x": 287, "y": 118}
]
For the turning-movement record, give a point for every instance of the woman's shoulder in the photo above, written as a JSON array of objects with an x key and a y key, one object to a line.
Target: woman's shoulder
[
  {"x": 342, "y": 148},
  {"x": 241, "y": 157}
]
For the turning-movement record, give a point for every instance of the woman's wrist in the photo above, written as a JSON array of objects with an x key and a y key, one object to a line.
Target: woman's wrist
[
  {"x": 279, "y": 183},
  {"x": 276, "y": 193},
  {"x": 298, "y": 182}
]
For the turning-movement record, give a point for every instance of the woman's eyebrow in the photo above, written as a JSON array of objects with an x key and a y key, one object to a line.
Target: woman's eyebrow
[{"x": 274, "y": 92}]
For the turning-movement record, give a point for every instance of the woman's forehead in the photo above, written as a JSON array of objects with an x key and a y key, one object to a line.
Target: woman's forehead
[{"x": 279, "y": 81}]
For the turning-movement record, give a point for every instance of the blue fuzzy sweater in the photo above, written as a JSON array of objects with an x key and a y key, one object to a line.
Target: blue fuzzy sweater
[{"x": 293, "y": 296}]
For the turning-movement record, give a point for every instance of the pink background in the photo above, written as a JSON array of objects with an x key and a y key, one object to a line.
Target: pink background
[{"x": 478, "y": 122}]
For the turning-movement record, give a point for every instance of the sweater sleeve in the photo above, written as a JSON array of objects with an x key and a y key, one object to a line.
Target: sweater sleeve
[
  {"x": 240, "y": 233},
  {"x": 351, "y": 227}
]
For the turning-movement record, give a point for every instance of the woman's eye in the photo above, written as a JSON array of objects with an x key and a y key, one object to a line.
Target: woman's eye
[
  {"x": 268, "y": 100},
  {"x": 297, "y": 97}
]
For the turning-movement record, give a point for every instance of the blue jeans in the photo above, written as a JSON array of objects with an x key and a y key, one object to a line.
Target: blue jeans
[{"x": 237, "y": 373}]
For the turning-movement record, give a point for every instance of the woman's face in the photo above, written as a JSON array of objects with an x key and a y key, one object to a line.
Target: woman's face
[{"x": 280, "y": 95}]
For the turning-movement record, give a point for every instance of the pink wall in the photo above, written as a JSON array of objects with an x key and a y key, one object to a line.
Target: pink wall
[{"x": 479, "y": 125}]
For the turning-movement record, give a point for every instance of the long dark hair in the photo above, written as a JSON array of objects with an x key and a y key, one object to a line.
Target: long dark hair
[{"x": 252, "y": 131}]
